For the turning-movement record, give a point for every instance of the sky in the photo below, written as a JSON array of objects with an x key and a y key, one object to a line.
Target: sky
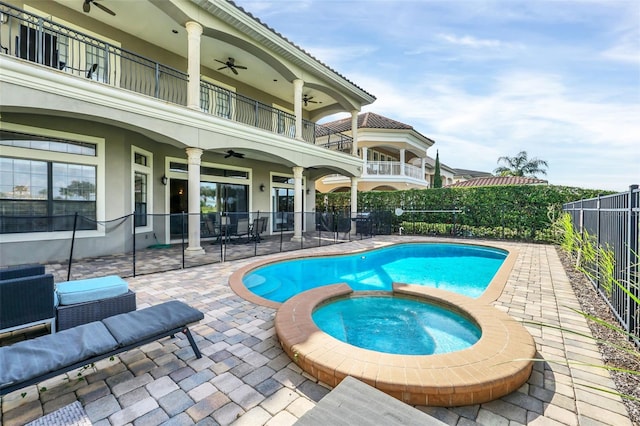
[{"x": 487, "y": 79}]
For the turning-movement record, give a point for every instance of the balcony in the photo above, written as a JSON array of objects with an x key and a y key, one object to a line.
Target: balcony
[
  {"x": 36, "y": 39},
  {"x": 393, "y": 169}
]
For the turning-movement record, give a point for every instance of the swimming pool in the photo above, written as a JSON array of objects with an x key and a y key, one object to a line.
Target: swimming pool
[{"x": 460, "y": 268}]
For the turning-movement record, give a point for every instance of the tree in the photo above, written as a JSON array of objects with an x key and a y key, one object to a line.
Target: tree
[
  {"x": 521, "y": 165},
  {"x": 437, "y": 179}
]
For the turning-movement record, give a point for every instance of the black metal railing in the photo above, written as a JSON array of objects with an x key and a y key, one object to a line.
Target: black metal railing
[
  {"x": 611, "y": 222},
  {"x": 36, "y": 39}
]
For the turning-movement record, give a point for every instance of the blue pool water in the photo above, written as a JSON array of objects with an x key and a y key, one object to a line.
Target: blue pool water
[
  {"x": 396, "y": 325},
  {"x": 463, "y": 269}
]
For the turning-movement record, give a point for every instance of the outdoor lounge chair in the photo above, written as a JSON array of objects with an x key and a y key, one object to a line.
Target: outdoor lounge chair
[
  {"x": 26, "y": 298},
  {"x": 32, "y": 361}
]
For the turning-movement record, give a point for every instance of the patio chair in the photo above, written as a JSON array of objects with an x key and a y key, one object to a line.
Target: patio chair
[
  {"x": 242, "y": 229},
  {"x": 259, "y": 226}
]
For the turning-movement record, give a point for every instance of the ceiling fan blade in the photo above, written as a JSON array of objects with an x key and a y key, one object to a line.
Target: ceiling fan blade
[
  {"x": 234, "y": 70},
  {"x": 222, "y": 62},
  {"x": 86, "y": 6},
  {"x": 221, "y": 68},
  {"x": 105, "y": 8},
  {"x": 240, "y": 67}
]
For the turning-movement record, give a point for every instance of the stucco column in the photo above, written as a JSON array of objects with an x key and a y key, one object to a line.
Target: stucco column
[
  {"x": 194, "y": 31},
  {"x": 422, "y": 164},
  {"x": 297, "y": 105},
  {"x": 402, "y": 161},
  {"x": 365, "y": 168},
  {"x": 354, "y": 203},
  {"x": 354, "y": 132},
  {"x": 194, "y": 155},
  {"x": 297, "y": 203}
]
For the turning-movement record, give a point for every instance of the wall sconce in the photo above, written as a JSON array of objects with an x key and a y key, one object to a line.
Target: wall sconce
[
  {"x": 164, "y": 179},
  {"x": 262, "y": 187},
  {"x": 308, "y": 191}
]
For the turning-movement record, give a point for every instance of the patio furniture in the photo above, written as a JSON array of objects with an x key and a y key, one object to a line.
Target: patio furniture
[
  {"x": 26, "y": 298},
  {"x": 92, "y": 299},
  {"x": 35, "y": 360},
  {"x": 258, "y": 227}
]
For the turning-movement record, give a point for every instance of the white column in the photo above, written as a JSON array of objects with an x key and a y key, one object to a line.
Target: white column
[
  {"x": 402, "y": 161},
  {"x": 194, "y": 31},
  {"x": 354, "y": 132},
  {"x": 194, "y": 155},
  {"x": 297, "y": 203},
  {"x": 422, "y": 163},
  {"x": 354, "y": 203},
  {"x": 365, "y": 168},
  {"x": 297, "y": 105}
]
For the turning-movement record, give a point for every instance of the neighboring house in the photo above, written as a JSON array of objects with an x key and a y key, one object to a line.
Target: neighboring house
[
  {"x": 394, "y": 155},
  {"x": 498, "y": 180},
  {"x": 447, "y": 173},
  {"x": 167, "y": 107},
  {"x": 462, "y": 175}
]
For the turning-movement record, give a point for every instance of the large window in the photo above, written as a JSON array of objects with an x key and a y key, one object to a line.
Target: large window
[{"x": 44, "y": 196}]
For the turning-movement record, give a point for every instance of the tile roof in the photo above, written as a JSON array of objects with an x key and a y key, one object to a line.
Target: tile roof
[
  {"x": 498, "y": 180},
  {"x": 368, "y": 120}
]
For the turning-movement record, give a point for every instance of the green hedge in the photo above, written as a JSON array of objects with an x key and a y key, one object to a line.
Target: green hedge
[{"x": 511, "y": 212}]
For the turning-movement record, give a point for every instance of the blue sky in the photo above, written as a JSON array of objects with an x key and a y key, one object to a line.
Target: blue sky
[{"x": 485, "y": 79}]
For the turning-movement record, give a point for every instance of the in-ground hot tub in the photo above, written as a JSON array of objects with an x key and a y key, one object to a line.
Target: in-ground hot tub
[{"x": 497, "y": 364}]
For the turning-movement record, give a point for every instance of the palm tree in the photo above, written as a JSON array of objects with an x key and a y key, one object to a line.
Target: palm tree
[{"x": 521, "y": 165}]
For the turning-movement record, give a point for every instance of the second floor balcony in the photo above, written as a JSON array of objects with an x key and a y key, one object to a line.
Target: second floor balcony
[
  {"x": 33, "y": 38},
  {"x": 393, "y": 169}
]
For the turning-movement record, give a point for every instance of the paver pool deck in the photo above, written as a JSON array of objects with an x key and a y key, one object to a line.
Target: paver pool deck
[{"x": 245, "y": 378}]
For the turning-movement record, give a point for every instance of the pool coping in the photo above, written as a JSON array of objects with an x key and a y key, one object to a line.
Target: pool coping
[
  {"x": 491, "y": 294},
  {"x": 498, "y": 364}
]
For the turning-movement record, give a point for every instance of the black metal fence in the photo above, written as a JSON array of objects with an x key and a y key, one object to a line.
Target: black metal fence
[
  {"x": 612, "y": 223},
  {"x": 142, "y": 244}
]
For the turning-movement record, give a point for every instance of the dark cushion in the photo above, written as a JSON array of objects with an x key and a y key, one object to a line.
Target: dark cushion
[
  {"x": 32, "y": 358},
  {"x": 139, "y": 325},
  {"x": 19, "y": 271}
]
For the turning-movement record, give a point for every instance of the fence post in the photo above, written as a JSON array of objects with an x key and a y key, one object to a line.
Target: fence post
[
  {"x": 73, "y": 240},
  {"x": 598, "y": 240},
  {"x": 134, "y": 243},
  {"x": 632, "y": 260}
]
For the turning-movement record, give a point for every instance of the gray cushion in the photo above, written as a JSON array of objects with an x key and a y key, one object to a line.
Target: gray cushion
[
  {"x": 139, "y": 325},
  {"x": 31, "y": 358}
]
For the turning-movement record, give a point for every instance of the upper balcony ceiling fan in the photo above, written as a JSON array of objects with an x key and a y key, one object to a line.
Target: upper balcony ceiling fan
[
  {"x": 231, "y": 64},
  {"x": 307, "y": 100},
  {"x": 86, "y": 6}
]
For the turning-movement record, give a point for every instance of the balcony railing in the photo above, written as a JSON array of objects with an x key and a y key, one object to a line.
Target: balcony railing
[
  {"x": 393, "y": 168},
  {"x": 31, "y": 37}
]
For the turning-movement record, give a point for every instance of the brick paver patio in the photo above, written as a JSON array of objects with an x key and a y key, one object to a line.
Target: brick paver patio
[{"x": 244, "y": 377}]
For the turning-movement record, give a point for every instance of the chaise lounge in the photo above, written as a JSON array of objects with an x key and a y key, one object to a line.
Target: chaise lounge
[{"x": 33, "y": 361}]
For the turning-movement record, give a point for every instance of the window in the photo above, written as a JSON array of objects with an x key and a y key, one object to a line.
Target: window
[
  {"x": 95, "y": 63},
  {"x": 44, "y": 196},
  {"x": 142, "y": 162},
  {"x": 223, "y": 103}
]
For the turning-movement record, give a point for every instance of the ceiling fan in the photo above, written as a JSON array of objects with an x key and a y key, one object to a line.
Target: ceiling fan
[
  {"x": 232, "y": 153},
  {"x": 231, "y": 64},
  {"x": 86, "y": 7},
  {"x": 307, "y": 100}
]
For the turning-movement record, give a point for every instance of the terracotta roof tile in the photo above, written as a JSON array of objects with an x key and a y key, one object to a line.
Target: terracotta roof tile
[
  {"x": 498, "y": 180},
  {"x": 368, "y": 120}
]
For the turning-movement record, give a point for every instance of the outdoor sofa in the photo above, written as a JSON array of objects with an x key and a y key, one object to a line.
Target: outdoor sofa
[
  {"x": 32, "y": 361},
  {"x": 26, "y": 298}
]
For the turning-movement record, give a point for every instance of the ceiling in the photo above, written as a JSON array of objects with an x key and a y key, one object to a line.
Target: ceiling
[{"x": 163, "y": 25}]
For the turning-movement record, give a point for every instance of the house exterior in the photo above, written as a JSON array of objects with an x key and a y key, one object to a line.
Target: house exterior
[
  {"x": 159, "y": 107},
  {"x": 393, "y": 155},
  {"x": 498, "y": 180}
]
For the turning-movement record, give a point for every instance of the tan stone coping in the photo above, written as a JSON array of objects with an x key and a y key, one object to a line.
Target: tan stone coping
[
  {"x": 498, "y": 364},
  {"x": 493, "y": 291}
]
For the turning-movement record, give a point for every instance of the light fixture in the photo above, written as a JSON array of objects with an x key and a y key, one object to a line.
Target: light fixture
[
  {"x": 308, "y": 190},
  {"x": 262, "y": 187},
  {"x": 4, "y": 18},
  {"x": 164, "y": 179}
]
